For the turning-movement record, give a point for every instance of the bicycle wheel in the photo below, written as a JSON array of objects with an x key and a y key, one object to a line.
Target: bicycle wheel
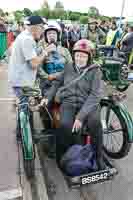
[
  {"x": 29, "y": 167},
  {"x": 28, "y": 147},
  {"x": 28, "y": 158},
  {"x": 115, "y": 139}
]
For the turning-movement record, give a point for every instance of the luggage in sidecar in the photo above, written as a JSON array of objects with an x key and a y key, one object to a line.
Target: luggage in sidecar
[{"x": 93, "y": 177}]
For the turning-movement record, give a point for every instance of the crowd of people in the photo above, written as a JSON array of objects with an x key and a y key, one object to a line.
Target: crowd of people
[
  {"x": 99, "y": 32},
  {"x": 104, "y": 33}
]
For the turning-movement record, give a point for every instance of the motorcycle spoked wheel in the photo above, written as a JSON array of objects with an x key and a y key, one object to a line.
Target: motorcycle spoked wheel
[{"x": 114, "y": 129}]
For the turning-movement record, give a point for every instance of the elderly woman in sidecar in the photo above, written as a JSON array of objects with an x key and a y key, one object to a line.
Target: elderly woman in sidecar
[{"x": 79, "y": 91}]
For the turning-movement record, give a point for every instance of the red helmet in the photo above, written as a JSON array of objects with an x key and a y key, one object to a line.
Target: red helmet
[{"x": 85, "y": 46}]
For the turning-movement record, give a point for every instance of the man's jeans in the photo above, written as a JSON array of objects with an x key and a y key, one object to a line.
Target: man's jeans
[
  {"x": 23, "y": 106},
  {"x": 23, "y": 100}
]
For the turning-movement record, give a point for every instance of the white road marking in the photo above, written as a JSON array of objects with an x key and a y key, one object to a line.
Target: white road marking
[
  {"x": 9, "y": 99},
  {"x": 41, "y": 187},
  {"x": 10, "y": 194},
  {"x": 25, "y": 185}
]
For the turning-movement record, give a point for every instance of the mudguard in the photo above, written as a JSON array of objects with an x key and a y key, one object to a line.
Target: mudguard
[{"x": 26, "y": 136}]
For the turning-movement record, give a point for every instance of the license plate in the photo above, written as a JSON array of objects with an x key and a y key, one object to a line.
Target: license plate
[{"x": 95, "y": 178}]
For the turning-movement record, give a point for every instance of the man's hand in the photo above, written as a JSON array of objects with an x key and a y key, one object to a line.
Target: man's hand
[
  {"x": 50, "y": 48},
  {"x": 45, "y": 54},
  {"x": 51, "y": 77},
  {"x": 35, "y": 62},
  {"x": 77, "y": 126}
]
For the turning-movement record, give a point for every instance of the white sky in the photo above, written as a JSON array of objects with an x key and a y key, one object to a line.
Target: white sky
[{"x": 106, "y": 7}]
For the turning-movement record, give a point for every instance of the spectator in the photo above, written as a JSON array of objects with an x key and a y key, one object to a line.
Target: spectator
[
  {"x": 113, "y": 35},
  {"x": 94, "y": 33},
  {"x": 64, "y": 36},
  {"x": 2, "y": 25},
  {"x": 103, "y": 26},
  {"x": 124, "y": 32},
  {"x": 73, "y": 36},
  {"x": 127, "y": 41}
]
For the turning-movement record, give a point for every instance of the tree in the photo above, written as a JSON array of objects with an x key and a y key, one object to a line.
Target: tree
[
  {"x": 36, "y": 12},
  {"x": 1, "y": 12},
  {"x": 83, "y": 19},
  {"x": 59, "y": 10},
  {"x": 59, "y": 5},
  {"x": 18, "y": 15},
  {"x": 74, "y": 16},
  {"x": 45, "y": 4},
  {"x": 45, "y": 10},
  {"x": 65, "y": 15},
  {"x": 93, "y": 12},
  {"x": 27, "y": 12}
]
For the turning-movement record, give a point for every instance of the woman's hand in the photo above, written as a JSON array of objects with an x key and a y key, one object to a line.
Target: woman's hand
[
  {"x": 51, "y": 77},
  {"x": 77, "y": 125}
]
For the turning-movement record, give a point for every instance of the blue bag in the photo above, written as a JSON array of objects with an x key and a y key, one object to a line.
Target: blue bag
[{"x": 79, "y": 160}]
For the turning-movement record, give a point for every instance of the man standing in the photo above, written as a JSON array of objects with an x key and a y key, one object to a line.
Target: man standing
[
  {"x": 24, "y": 61},
  {"x": 73, "y": 36}
]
